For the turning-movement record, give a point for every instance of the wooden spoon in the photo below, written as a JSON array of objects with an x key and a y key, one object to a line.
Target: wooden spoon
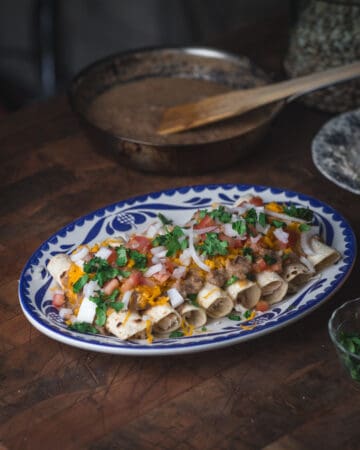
[{"x": 219, "y": 107}]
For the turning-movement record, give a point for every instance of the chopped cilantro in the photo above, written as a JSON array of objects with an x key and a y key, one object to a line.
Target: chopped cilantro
[
  {"x": 251, "y": 216},
  {"x": 171, "y": 241},
  {"x": 100, "y": 317},
  {"x": 301, "y": 213},
  {"x": 220, "y": 214},
  {"x": 212, "y": 245},
  {"x": 203, "y": 213},
  {"x": 122, "y": 258},
  {"x": 203, "y": 329},
  {"x": 118, "y": 306},
  {"x": 248, "y": 253},
  {"x": 176, "y": 334},
  {"x": 164, "y": 220},
  {"x": 83, "y": 327},
  {"x": 234, "y": 317},
  {"x": 270, "y": 260},
  {"x": 231, "y": 280},
  {"x": 351, "y": 342},
  {"x": 262, "y": 219},
  {"x": 139, "y": 258},
  {"x": 95, "y": 264},
  {"x": 247, "y": 314},
  {"x": 304, "y": 227},
  {"x": 240, "y": 227},
  {"x": 80, "y": 283},
  {"x": 124, "y": 273},
  {"x": 192, "y": 298},
  {"x": 106, "y": 274},
  {"x": 277, "y": 223}
]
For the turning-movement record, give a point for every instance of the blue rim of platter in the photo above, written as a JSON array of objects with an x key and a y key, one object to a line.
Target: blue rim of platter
[{"x": 179, "y": 203}]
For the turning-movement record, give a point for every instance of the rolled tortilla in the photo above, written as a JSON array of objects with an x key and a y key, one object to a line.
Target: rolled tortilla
[
  {"x": 296, "y": 274},
  {"x": 58, "y": 267},
  {"x": 244, "y": 292},
  {"x": 126, "y": 325},
  {"x": 273, "y": 287},
  {"x": 215, "y": 301},
  {"x": 192, "y": 315},
  {"x": 164, "y": 318},
  {"x": 323, "y": 256}
]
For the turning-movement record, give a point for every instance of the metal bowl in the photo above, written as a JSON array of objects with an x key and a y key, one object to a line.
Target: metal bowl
[{"x": 230, "y": 70}]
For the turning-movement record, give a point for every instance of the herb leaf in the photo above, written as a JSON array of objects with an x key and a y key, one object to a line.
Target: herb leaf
[
  {"x": 301, "y": 213},
  {"x": 220, "y": 214},
  {"x": 214, "y": 246},
  {"x": 122, "y": 258},
  {"x": 240, "y": 227},
  {"x": 83, "y": 327},
  {"x": 164, "y": 220},
  {"x": 80, "y": 283},
  {"x": 231, "y": 280},
  {"x": 234, "y": 317}
]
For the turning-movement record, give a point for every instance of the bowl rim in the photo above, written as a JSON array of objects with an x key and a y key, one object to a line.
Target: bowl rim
[{"x": 202, "y": 51}]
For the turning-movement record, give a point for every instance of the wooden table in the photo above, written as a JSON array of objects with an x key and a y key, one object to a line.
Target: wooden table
[{"x": 285, "y": 390}]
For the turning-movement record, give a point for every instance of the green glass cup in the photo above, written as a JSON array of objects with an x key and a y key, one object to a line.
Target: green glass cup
[{"x": 344, "y": 330}]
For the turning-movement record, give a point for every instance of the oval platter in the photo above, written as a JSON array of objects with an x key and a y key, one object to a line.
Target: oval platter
[{"x": 179, "y": 204}]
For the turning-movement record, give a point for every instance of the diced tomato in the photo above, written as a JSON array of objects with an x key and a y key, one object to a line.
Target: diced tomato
[
  {"x": 112, "y": 257},
  {"x": 140, "y": 243},
  {"x": 260, "y": 265},
  {"x": 262, "y": 306},
  {"x": 110, "y": 286},
  {"x": 256, "y": 201},
  {"x": 205, "y": 222},
  {"x": 130, "y": 283},
  {"x": 58, "y": 300},
  {"x": 293, "y": 238},
  {"x": 162, "y": 276},
  {"x": 233, "y": 242},
  {"x": 169, "y": 265}
]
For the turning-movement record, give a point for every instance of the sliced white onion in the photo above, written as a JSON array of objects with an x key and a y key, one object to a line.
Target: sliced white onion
[
  {"x": 87, "y": 311},
  {"x": 176, "y": 299},
  {"x": 153, "y": 229},
  {"x": 126, "y": 298},
  {"x": 205, "y": 230},
  {"x": 90, "y": 288},
  {"x": 262, "y": 229},
  {"x": 64, "y": 312},
  {"x": 281, "y": 235},
  {"x": 79, "y": 254},
  {"x": 255, "y": 239},
  {"x": 179, "y": 272},
  {"x": 185, "y": 257},
  {"x": 305, "y": 240},
  {"x": 193, "y": 253},
  {"x": 244, "y": 199},
  {"x": 284, "y": 217},
  {"x": 153, "y": 269},
  {"x": 103, "y": 253},
  {"x": 308, "y": 264},
  {"x": 229, "y": 231},
  {"x": 161, "y": 254},
  {"x": 155, "y": 250}
]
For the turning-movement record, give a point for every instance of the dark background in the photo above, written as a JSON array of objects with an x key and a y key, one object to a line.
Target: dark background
[{"x": 44, "y": 43}]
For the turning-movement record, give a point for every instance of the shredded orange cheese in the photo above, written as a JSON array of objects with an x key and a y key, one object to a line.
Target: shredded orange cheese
[{"x": 275, "y": 207}]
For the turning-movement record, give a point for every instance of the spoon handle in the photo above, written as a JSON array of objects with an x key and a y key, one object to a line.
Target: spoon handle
[{"x": 223, "y": 106}]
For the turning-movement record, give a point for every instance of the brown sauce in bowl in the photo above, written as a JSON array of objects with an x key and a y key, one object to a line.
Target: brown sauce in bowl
[{"x": 133, "y": 110}]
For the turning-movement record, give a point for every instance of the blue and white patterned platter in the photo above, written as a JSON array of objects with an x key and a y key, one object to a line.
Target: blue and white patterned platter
[{"x": 179, "y": 204}]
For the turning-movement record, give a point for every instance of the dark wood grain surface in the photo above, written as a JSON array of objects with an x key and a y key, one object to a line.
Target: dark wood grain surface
[{"x": 283, "y": 391}]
